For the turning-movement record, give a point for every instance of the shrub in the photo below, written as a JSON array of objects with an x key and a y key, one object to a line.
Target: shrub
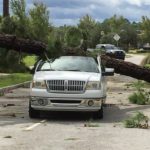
[
  {"x": 141, "y": 96},
  {"x": 139, "y": 120},
  {"x": 138, "y": 98},
  {"x": 147, "y": 66}
]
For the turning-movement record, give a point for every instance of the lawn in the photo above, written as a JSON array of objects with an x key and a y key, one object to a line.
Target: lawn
[
  {"x": 14, "y": 78},
  {"x": 30, "y": 60}
]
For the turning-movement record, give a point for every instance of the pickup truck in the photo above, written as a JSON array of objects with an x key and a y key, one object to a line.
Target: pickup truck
[{"x": 69, "y": 83}]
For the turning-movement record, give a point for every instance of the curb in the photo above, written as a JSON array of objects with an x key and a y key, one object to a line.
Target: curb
[{"x": 12, "y": 87}]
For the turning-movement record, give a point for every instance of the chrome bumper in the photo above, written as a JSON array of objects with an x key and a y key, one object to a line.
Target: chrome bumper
[{"x": 66, "y": 104}]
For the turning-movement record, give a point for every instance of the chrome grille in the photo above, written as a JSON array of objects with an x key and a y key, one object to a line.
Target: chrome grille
[
  {"x": 56, "y": 85},
  {"x": 66, "y": 86}
]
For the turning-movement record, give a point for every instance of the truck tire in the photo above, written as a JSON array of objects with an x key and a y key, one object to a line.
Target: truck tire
[
  {"x": 33, "y": 113},
  {"x": 99, "y": 114}
]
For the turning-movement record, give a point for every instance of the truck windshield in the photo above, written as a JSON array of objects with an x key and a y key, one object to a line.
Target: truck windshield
[
  {"x": 111, "y": 48},
  {"x": 70, "y": 63}
]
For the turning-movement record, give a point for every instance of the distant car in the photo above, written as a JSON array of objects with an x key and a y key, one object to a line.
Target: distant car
[
  {"x": 112, "y": 51},
  {"x": 69, "y": 83}
]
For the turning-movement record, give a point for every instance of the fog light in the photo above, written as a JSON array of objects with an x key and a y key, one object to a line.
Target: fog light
[
  {"x": 90, "y": 103},
  {"x": 42, "y": 102}
]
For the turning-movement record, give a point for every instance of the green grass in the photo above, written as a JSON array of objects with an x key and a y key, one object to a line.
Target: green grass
[
  {"x": 138, "y": 52},
  {"x": 13, "y": 79},
  {"x": 29, "y": 60}
]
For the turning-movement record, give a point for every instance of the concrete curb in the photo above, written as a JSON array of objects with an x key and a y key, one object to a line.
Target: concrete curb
[{"x": 12, "y": 87}]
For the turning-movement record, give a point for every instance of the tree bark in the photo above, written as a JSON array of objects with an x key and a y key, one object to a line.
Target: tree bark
[
  {"x": 22, "y": 45},
  {"x": 39, "y": 48},
  {"x": 5, "y": 8},
  {"x": 126, "y": 68}
]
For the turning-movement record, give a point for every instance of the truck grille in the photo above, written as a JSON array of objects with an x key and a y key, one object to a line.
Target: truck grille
[{"x": 66, "y": 86}]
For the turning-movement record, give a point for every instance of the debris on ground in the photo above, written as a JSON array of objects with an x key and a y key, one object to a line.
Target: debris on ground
[{"x": 8, "y": 137}]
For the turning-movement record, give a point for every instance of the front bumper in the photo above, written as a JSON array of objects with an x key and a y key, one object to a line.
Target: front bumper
[{"x": 66, "y": 104}]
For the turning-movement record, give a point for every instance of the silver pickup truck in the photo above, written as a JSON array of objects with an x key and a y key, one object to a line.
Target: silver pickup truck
[{"x": 69, "y": 83}]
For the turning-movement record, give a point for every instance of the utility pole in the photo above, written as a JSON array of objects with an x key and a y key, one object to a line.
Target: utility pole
[{"x": 5, "y": 8}]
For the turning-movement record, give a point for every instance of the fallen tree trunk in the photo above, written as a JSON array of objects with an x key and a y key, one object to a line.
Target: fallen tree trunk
[
  {"x": 38, "y": 48},
  {"x": 11, "y": 42},
  {"x": 127, "y": 68}
]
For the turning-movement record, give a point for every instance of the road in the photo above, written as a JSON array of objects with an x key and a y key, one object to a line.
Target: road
[
  {"x": 136, "y": 59},
  {"x": 72, "y": 131}
]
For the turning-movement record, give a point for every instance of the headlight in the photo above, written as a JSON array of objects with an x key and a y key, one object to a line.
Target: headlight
[
  {"x": 93, "y": 85},
  {"x": 113, "y": 52},
  {"x": 39, "y": 84}
]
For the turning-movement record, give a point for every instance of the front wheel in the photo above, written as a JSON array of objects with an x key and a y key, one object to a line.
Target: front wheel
[
  {"x": 33, "y": 113},
  {"x": 99, "y": 114}
]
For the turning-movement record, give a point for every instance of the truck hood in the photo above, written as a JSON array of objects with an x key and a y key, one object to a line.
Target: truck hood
[
  {"x": 67, "y": 75},
  {"x": 115, "y": 50}
]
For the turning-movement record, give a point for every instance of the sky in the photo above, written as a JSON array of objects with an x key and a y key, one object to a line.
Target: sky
[{"x": 70, "y": 11}]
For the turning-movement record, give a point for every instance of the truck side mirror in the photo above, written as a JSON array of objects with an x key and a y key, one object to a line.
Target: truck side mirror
[{"x": 108, "y": 72}]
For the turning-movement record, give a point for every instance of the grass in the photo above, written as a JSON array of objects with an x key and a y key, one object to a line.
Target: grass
[
  {"x": 13, "y": 79},
  {"x": 146, "y": 85},
  {"x": 139, "y": 52},
  {"x": 30, "y": 60}
]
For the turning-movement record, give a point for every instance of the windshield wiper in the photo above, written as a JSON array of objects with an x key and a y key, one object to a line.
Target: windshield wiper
[
  {"x": 72, "y": 70},
  {"x": 48, "y": 70}
]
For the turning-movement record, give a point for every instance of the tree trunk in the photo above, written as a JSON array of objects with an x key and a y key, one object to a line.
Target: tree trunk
[
  {"x": 126, "y": 68},
  {"x": 5, "y": 8},
  {"x": 22, "y": 45},
  {"x": 39, "y": 48}
]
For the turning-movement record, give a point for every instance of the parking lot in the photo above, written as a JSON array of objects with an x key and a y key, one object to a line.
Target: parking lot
[
  {"x": 61, "y": 131},
  {"x": 72, "y": 131}
]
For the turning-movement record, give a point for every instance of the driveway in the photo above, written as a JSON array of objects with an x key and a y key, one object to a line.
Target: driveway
[
  {"x": 72, "y": 131},
  {"x": 136, "y": 59}
]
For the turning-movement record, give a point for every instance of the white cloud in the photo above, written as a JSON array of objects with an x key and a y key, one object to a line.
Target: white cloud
[
  {"x": 139, "y": 2},
  {"x": 69, "y": 11}
]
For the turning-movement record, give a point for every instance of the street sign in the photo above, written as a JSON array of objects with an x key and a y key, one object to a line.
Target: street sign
[{"x": 116, "y": 37}]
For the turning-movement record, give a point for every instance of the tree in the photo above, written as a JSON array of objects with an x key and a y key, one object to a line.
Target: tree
[
  {"x": 20, "y": 18},
  {"x": 73, "y": 37},
  {"x": 39, "y": 22},
  {"x": 39, "y": 48},
  {"x": 87, "y": 25},
  {"x": 5, "y": 8},
  {"x": 145, "y": 26}
]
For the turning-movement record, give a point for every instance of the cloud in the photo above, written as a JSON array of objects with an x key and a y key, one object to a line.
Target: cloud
[
  {"x": 98, "y": 9},
  {"x": 70, "y": 11}
]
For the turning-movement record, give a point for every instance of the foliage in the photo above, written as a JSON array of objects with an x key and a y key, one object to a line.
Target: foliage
[
  {"x": 73, "y": 37},
  {"x": 141, "y": 96},
  {"x": 39, "y": 22},
  {"x": 87, "y": 25},
  {"x": 139, "y": 120},
  {"x": 20, "y": 18},
  {"x": 147, "y": 66},
  {"x": 145, "y": 26},
  {"x": 8, "y": 25},
  {"x": 15, "y": 78},
  {"x": 55, "y": 46},
  {"x": 32, "y": 24},
  {"x": 9, "y": 62},
  {"x": 29, "y": 60}
]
